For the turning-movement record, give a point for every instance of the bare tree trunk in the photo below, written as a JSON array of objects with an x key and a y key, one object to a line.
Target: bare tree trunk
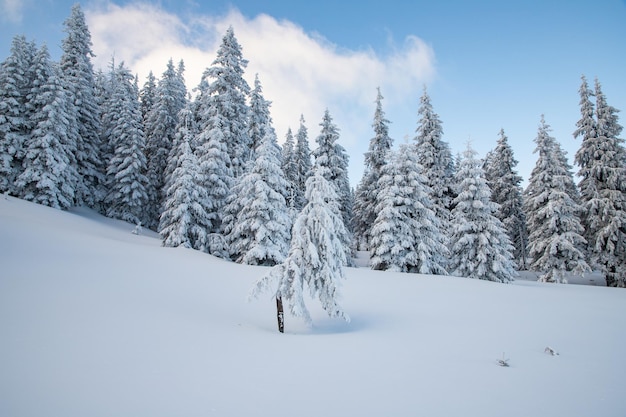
[{"x": 280, "y": 315}]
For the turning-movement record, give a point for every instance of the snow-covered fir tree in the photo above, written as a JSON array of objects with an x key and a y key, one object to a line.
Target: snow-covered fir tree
[
  {"x": 406, "y": 233},
  {"x": 435, "y": 158},
  {"x": 316, "y": 255},
  {"x": 78, "y": 76},
  {"x": 331, "y": 156},
  {"x": 303, "y": 164},
  {"x": 556, "y": 245},
  {"x": 290, "y": 169},
  {"x": 184, "y": 220},
  {"x": 126, "y": 198},
  {"x": 506, "y": 190},
  {"x": 148, "y": 95},
  {"x": 602, "y": 164},
  {"x": 16, "y": 79},
  {"x": 259, "y": 117},
  {"x": 480, "y": 246},
  {"x": 160, "y": 128},
  {"x": 261, "y": 227},
  {"x": 49, "y": 174},
  {"x": 375, "y": 158},
  {"x": 226, "y": 94}
]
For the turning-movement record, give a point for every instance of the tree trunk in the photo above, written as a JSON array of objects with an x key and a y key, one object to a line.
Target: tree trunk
[{"x": 280, "y": 315}]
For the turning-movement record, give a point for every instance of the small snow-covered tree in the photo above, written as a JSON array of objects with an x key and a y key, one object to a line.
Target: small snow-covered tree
[
  {"x": 16, "y": 79},
  {"x": 259, "y": 117},
  {"x": 49, "y": 174},
  {"x": 602, "y": 162},
  {"x": 406, "y": 233},
  {"x": 556, "y": 245},
  {"x": 480, "y": 246},
  {"x": 148, "y": 95},
  {"x": 290, "y": 169},
  {"x": 126, "y": 198},
  {"x": 260, "y": 231},
  {"x": 316, "y": 256},
  {"x": 375, "y": 158},
  {"x": 506, "y": 190}
]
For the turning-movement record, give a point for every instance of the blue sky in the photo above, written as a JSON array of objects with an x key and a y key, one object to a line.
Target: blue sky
[{"x": 487, "y": 64}]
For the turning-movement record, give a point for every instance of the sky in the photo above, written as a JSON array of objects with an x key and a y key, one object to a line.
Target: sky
[{"x": 487, "y": 65}]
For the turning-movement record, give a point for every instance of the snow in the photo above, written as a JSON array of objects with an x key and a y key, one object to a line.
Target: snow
[{"x": 98, "y": 321}]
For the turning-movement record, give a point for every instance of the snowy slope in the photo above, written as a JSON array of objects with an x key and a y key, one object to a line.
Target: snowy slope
[{"x": 97, "y": 321}]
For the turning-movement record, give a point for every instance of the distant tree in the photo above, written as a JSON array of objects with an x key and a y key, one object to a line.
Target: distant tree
[
  {"x": 226, "y": 94},
  {"x": 148, "y": 95},
  {"x": 480, "y": 246},
  {"x": 602, "y": 164},
  {"x": 375, "y": 158},
  {"x": 259, "y": 117},
  {"x": 435, "y": 158},
  {"x": 316, "y": 256},
  {"x": 406, "y": 233},
  {"x": 16, "y": 79},
  {"x": 290, "y": 169},
  {"x": 556, "y": 245},
  {"x": 126, "y": 198},
  {"x": 303, "y": 164},
  {"x": 78, "y": 76},
  {"x": 49, "y": 175},
  {"x": 506, "y": 190},
  {"x": 184, "y": 219},
  {"x": 160, "y": 128},
  {"x": 261, "y": 226},
  {"x": 333, "y": 158}
]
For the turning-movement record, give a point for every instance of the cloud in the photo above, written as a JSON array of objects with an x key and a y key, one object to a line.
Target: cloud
[
  {"x": 12, "y": 10},
  {"x": 301, "y": 73}
]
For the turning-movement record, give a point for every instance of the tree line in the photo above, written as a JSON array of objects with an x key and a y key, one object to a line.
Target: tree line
[{"x": 207, "y": 173}]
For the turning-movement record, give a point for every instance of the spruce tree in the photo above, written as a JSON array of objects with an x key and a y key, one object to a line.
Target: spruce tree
[
  {"x": 160, "y": 128},
  {"x": 80, "y": 85},
  {"x": 290, "y": 169},
  {"x": 303, "y": 164},
  {"x": 148, "y": 95},
  {"x": 259, "y": 117},
  {"x": 435, "y": 158},
  {"x": 126, "y": 198},
  {"x": 260, "y": 231},
  {"x": 226, "y": 93},
  {"x": 316, "y": 255},
  {"x": 506, "y": 191},
  {"x": 556, "y": 245},
  {"x": 49, "y": 174},
  {"x": 602, "y": 164},
  {"x": 16, "y": 79},
  {"x": 406, "y": 233},
  {"x": 375, "y": 158},
  {"x": 481, "y": 248}
]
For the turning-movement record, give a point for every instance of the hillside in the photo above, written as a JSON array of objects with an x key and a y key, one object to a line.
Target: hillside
[{"x": 97, "y": 321}]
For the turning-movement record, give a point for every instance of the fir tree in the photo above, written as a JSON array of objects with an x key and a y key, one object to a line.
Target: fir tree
[
  {"x": 480, "y": 249},
  {"x": 602, "y": 162},
  {"x": 556, "y": 245},
  {"x": 49, "y": 173},
  {"x": 226, "y": 93},
  {"x": 16, "y": 79},
  {"x": 506, "y": 191},
  {"x": 80, "y": 85},
  {"x": 259, "y": 116},
  {"x": 148, "y": 95},
  {"x": 260, "y": 231},
  {"x": 290, "y": 169},
  {"x": 126, "y": 198},
  {"x": 160, "y": 128},
  {"x": 375, "y": 158},
  {"x": 406, "y": 233},
  {"x": 316, "y": 256}
]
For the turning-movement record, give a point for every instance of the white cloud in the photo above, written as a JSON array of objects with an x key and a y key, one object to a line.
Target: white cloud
[
  {"x": 300, "y": 72},
  {"x": 12, "y": 10}
]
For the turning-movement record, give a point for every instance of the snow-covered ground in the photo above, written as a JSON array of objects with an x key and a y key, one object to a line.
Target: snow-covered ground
[{"x": 96, "y": 321}]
